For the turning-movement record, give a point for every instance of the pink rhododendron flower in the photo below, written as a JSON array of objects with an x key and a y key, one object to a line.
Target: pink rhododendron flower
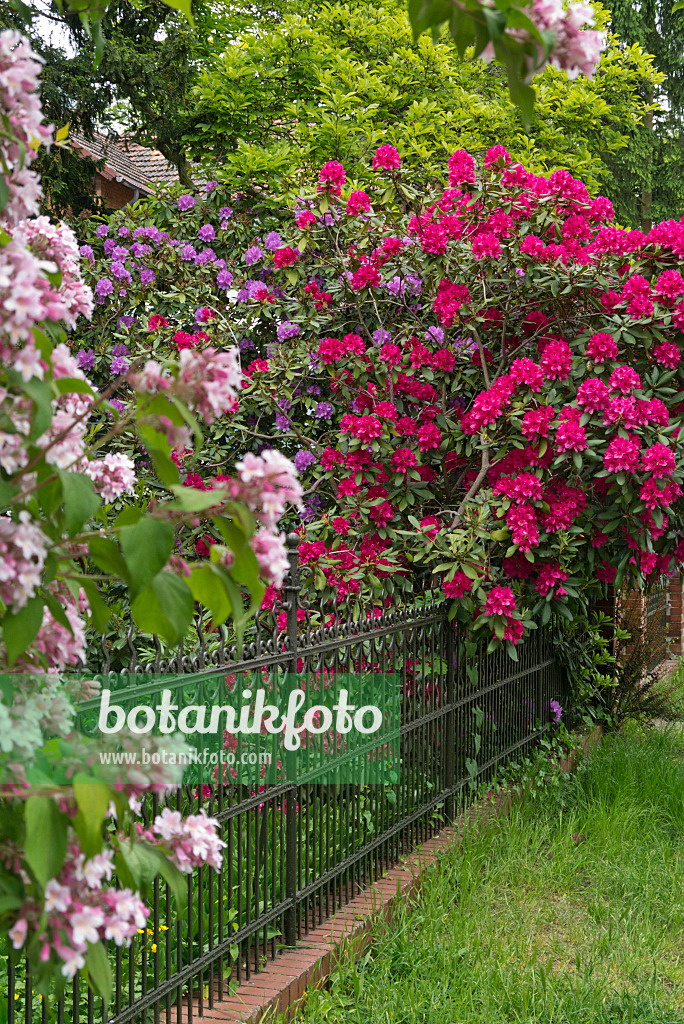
[
  {"x": 500, "y": 601},
  {"x": 621, "y": 455},
  {"x": 386, "y": 158},
  {"x": 601, "y": 347}
]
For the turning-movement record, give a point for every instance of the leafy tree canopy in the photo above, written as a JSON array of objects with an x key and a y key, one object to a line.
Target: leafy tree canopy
[
  {"x": 339, "y": 81},
  {"x": 649, "y": 184}
]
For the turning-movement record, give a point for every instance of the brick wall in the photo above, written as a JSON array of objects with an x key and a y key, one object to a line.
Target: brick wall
[
  {"x": 675, "y": 616},
  {"x": 114, "y": 193}
]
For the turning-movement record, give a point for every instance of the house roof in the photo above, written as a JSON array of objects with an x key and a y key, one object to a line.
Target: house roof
[{"x": 127, "y": 161}]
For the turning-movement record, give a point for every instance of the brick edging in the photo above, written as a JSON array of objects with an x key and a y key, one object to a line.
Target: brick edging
[{"x": 282, "y": 983}]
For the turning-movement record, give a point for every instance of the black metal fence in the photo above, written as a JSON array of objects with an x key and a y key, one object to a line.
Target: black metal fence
[{"x": 296, "y": 852}]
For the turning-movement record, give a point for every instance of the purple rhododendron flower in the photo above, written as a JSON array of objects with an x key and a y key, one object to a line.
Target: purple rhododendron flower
[
  {"x": 87, "y": 253},
  {"x": 186, "y": 202},
  {"x": 147, "y": 276},
  {"x": 287, "y": 330},
  {"x": 435, "y": 334},
  {"x": 210, "y": 186},
  {"x": 102, "y": 230},
  {"x": 324, "y": 411},
  {"x": 303, "y": 460},
  {"x": 380, "y": 336},
  {"x": 253, "y": 255},
  {"x": 206, "y": 233},
  {"x": 86, "y": 359},
  {"x": 119, "y": 365},
  {"x": 225, "y": 212},
  {"x": 109, "y": 246},
  {"x": 118, "y": 404},
  {"x": 224, "y": 279},
  {"x": 119, "y": 252},
  {"x": 206, "y": 256},
  {"x": 124, "y": 232},
  {"x": 556, "y": 710},
  {"x": 273, "y": 241},
  {"x": 187, "y": 252},
  {"x": 119, "y": 271},
  {"x": 281, "y": 421},
  {"x": 119, "y": 350},
  {"x": 103, "y": 287}
]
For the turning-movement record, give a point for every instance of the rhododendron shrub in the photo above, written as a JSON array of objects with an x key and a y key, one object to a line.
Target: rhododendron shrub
[
  {"x": 66, "y": 823},
  {"x": 487, "y": 383}
]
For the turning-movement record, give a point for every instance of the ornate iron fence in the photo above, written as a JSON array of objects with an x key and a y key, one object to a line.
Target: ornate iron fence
[{"x": 297, "y": 851}]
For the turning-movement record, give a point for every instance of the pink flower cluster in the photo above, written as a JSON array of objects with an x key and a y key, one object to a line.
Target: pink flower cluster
[
  {"x": 23, "y": 550},
  {"x": 501, "y": 601},
  {"x": 113, "y": 475},
  {"x": 80, "y": 910},
  {"x": 191, "y": 841}
]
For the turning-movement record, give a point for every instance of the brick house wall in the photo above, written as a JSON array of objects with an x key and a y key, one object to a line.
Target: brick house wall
[{"x": 115, "y": 194}]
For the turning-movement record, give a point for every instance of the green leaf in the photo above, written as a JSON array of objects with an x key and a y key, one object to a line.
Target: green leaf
[
  {"x": 164, "y": 607},
  {"x": 165, "y": 468},
  {"x": 106, "y": 555},
  {"x": 7, "y": 492},
  {"x": 46, "y": 837},
  {"x": 100, "y": 613},
  {"x": 192, "y": 500},
  {"x": 99, "y": 971},
  {"x": 208, "y": 587},
  {"x": 92, "y": 799},
  {"x": 72, "y": 385},
  {"x": 80, "y": 500},
  {"x": 176, "y": 881},
  {"x": 142, "y": 861},
  {"x": 21, "y": 628},
  {"x": 147, "y": 546},
  {"x": 184, "y": 6},
  {"x": 41, "y": 396}
]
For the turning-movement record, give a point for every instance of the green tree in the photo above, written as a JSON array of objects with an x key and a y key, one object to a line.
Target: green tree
[
  {"x": 649, "y": 178},
  {"x": 337, "y": 82}
]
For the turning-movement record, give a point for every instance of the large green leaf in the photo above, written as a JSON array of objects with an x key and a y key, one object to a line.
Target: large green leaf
[
  {"x": 80, "y": 500},
  {"x": 165, "y": 607},
  {"x": 99, "y": 971},
  {"x": 207, "y": 584},
  {"x": 46, "y": 837},
  {"x": 92, "y": 799},
  {"x": 21, "y": 628},
  {"x": 146, "y": 546},
  {"x": 106, "y": 555},
  {"x": 100, "y": 613}
]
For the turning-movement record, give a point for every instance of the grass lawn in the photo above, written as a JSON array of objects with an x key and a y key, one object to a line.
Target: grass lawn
[{"x": 569, "y": 912}]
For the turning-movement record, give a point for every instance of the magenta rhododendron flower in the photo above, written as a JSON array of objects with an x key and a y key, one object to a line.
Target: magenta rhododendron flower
[
  {"x": 386, "y": 158},
  {"x": 622, "y": 455}
]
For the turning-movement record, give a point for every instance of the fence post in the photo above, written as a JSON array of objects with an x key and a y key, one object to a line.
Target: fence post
[
  {"x": 541, "y": 653},
  {"x": 291, "y": 588},
  {"x": 450, "y": 723}
]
